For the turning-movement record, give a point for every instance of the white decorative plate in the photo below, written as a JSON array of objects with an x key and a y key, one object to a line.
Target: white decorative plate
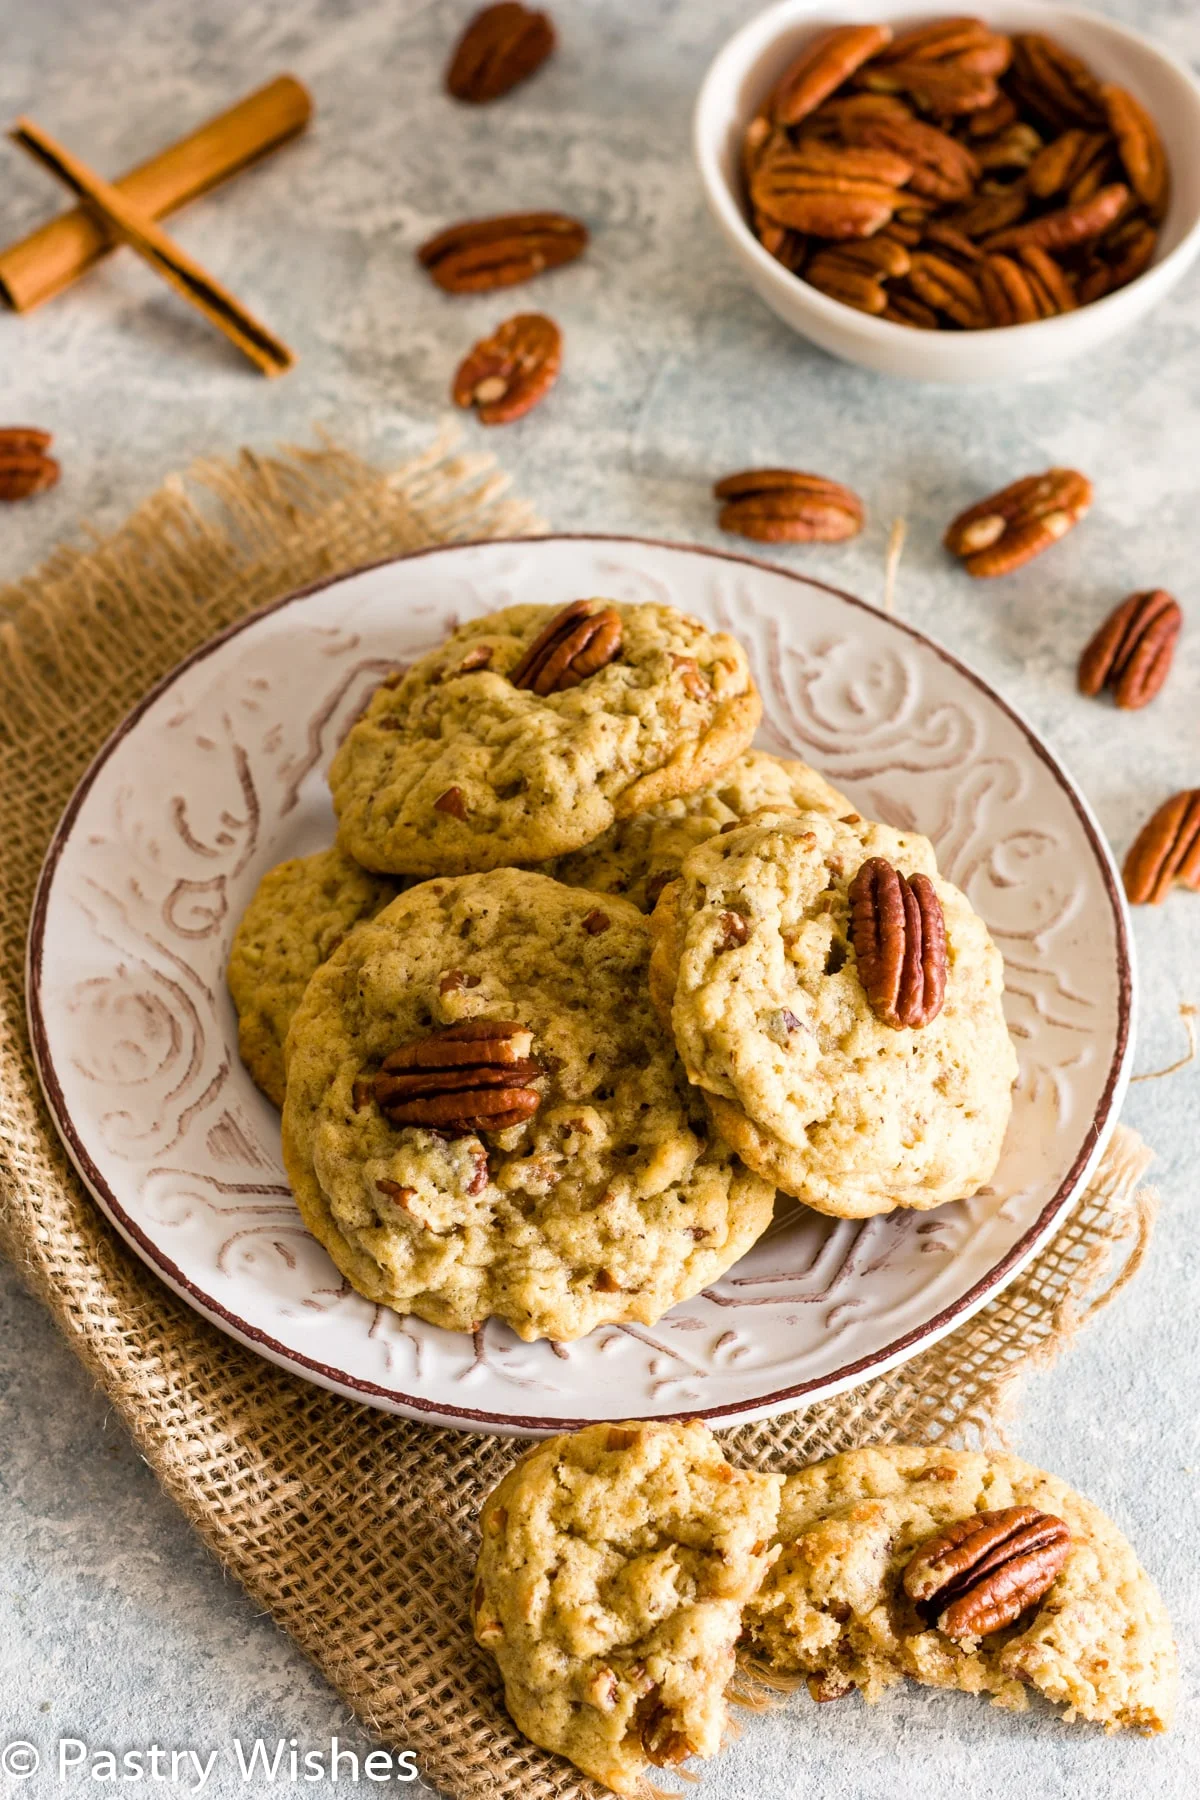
[{"x": 220, "y": 773}]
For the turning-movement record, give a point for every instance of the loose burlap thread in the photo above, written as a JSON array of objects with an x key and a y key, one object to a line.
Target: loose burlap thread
[{"x": 354, "y": 1529}]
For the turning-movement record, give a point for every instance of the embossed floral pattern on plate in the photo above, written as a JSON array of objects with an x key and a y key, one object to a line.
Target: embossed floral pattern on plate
[{"x": 220, "y": 774}]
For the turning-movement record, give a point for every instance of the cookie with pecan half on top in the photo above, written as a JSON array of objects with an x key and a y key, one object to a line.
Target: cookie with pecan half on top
[
  {"x": 532, "y": 730},
  {"x": 961, "y": 1570},
  {"x": 485, "y": 1117},
  {"x": 840, "y": 1006}
]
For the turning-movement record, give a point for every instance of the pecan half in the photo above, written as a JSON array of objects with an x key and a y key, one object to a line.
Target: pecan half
[
  {"x": 472, "y": 1076},
  {"x": 822, "y": 67},
  {"x": 848, "y": 282},
  {"x": 476, "y": 256},
  {"x": 1118, "y": 258},
  {"x": 1133, "y": 649},
  {"x": 945, "y": 286},
  {"x": 505, "y": 375},
  {"x": 25, "y": 468},
  {"x": 1062, "y": 162},
  {"x": 575, "y": 644},
  {"x": 1139, "y": 145},
  {"x": 501, "y": 46},
  {"x": 1055, "y": 83},
  {"x": 943, "y": 88},
  {"x": 982, "y": 1573},
  {"x": 1069, "y": 226},
  {"x": 965, "y": 41},
  {"x": 779, "y": 506},
  {"x": 942, "y": 168},
  {"x": 988, "y": 119},
  {"x": 829, "y": 190},
  {"x": 1031, "y": 286},
  {"x": 1009, "y": 528},
  {"x": 898, "y": 931},
  {"x": 1165, "y": 850},
  {"x": 1014, "y": 148},
  {"x": 989, "y": 212}
]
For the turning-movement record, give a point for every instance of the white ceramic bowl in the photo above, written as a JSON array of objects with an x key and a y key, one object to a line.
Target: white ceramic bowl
[{"x": 757, "y": 55}]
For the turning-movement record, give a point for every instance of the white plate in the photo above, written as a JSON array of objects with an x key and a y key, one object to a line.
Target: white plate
[{"x": 220, "y": 773}]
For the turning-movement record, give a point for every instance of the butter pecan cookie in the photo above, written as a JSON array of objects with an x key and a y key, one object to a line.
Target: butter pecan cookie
[
  {"x": 300, "y": 912},
  {"x": 961, "y": 1570},
  {"x": 530, "y": 731},
  {"x": 845, "y": 1024},
  {"x": 639, "y": 856},
  {"x": 612, "y": 1573},
  {"x": 484, "y": 1116}
]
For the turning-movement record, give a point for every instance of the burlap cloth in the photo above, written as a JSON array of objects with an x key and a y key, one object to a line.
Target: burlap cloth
[{"x": 354, "y": 1529}]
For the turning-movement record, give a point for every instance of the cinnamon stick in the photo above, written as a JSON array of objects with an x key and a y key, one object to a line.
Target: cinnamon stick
[
  {"x": 57, "y": 253},
  {"x": 139, "y": 231}
]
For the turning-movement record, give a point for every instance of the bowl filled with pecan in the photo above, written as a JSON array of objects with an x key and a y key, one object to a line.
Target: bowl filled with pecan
[{"x": 950, "y": 197}]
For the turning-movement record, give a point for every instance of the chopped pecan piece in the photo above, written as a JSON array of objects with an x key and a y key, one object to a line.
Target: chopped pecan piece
[
  {"x": 25, "y": 468},
  {"x": 692, "y": 680},
  {"x": 1165, "y": 851},
  {"x": 734, "y": 931},
  {"x": 621, "y": 1437},
  {"x": 982, "y": 1573},
  {"x": 400, "y": 1196},
  {"x": 576, "y": 643},
  {"x": 788, "y": 506},
  {"x": 898, "y": 931},
  {"x": 596, "y": 922},
  {"x": 453, "y": 802},
  {"x": 472, "y": 1076},
  {"x": 661, "y": 1739},
  {"x": 502, "y": 46},
  {"x": 1009, "y": 528},
  {"x": 1133, "y": 649},
  {"x": 822, "y": 67},
  {"x": 505, "y": 375},
  {"x": 477, "y": 256}
]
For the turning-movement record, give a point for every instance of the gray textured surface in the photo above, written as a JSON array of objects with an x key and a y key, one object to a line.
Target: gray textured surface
[{"x": 115, "y": 1627}]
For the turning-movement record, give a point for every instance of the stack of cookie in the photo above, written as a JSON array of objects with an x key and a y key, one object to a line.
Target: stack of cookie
[
  {"x": 587, "y": 980},
  {"x": 631, "y": 1582}
]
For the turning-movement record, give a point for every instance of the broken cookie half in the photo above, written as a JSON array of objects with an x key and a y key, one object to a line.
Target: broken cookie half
[
  {"x": 961, "y": 1570},
  {"x": 614, "y": 1567}
]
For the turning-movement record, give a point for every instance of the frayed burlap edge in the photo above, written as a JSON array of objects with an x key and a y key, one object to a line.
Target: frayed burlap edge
[{"x": 356, "y": 1530}]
